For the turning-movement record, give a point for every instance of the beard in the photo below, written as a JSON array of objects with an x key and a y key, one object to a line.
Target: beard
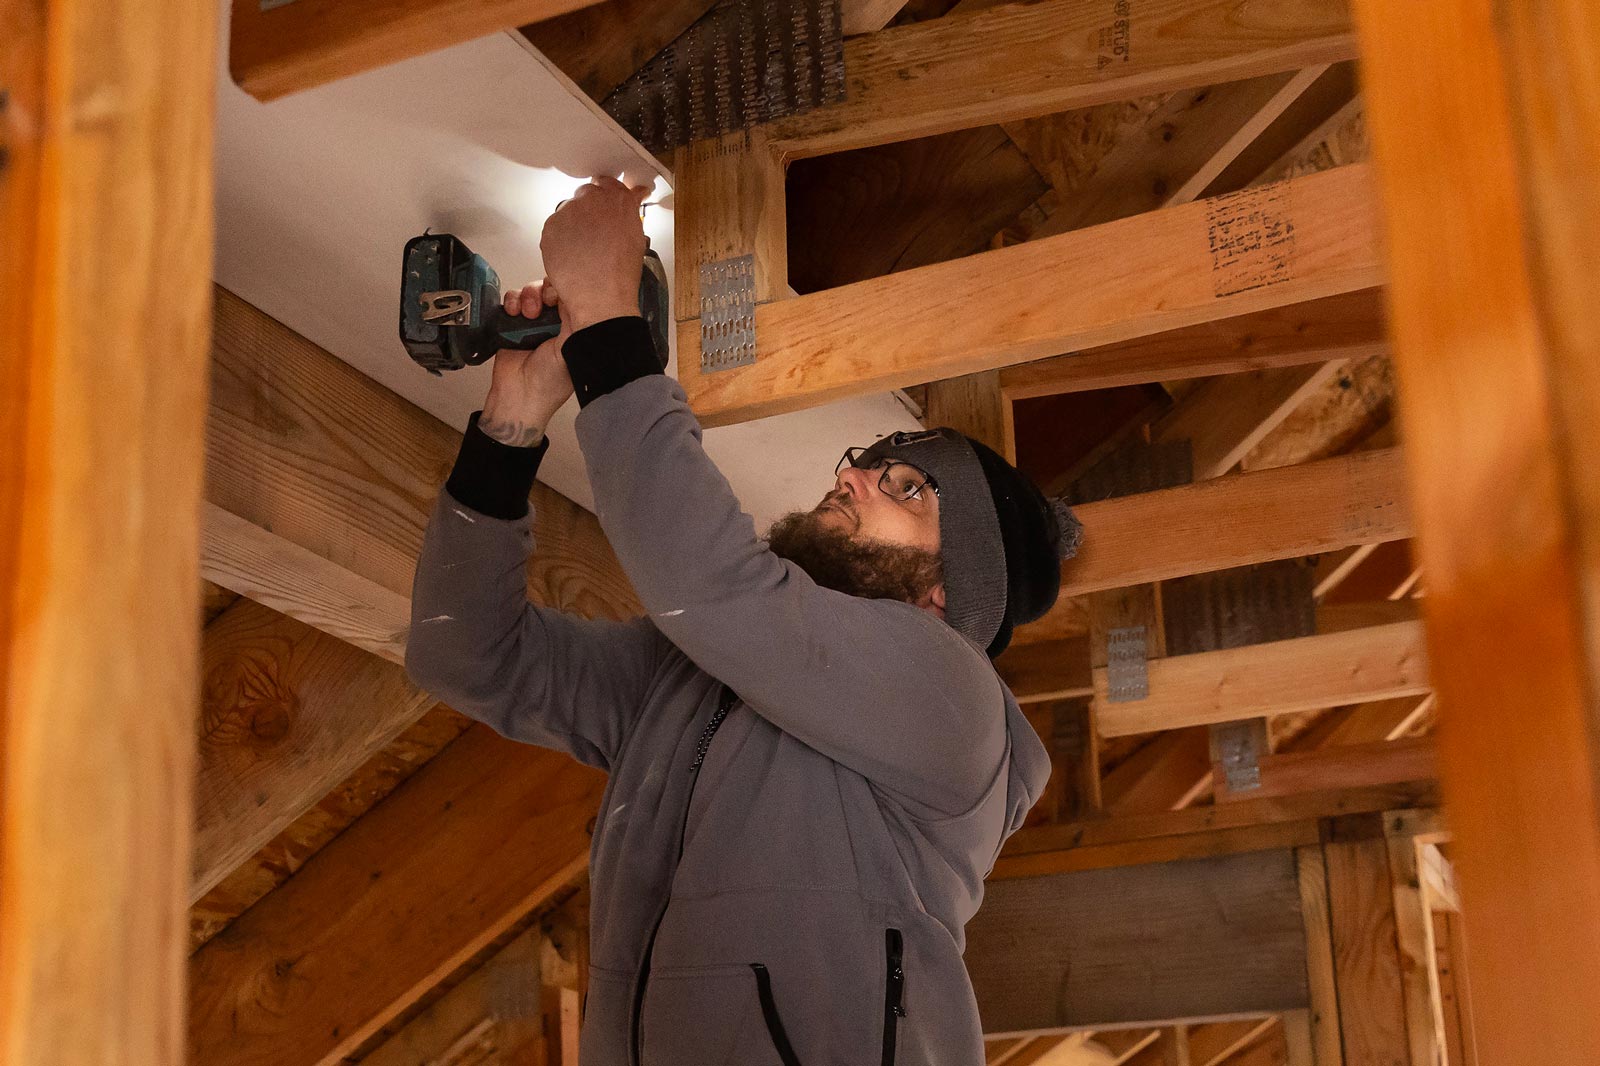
[{"x": 874, "y": 570}]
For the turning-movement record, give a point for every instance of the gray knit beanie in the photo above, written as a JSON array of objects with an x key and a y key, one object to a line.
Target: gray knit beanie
[{"x": 1001, "y": 541}]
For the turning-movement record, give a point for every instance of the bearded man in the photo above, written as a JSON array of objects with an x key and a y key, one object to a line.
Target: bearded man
[{"x": 812, "y": 762}]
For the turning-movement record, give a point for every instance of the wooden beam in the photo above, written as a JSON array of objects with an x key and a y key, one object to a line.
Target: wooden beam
[
  {"x": 1160, "y": 271},
  {"x": 603, "y": 45},
  {"x": 729, "y": 193},
  {"x": 475, "y": 840},
  {"x": 1233, "y": 840},
  {"x": 1350, "y": 766},
  {"x": 1327, "y": 1045},
  {"x": 1174, "y": 152},
  {"x": 1367, "y": 723},
  {"x": 1016, "y": 61},
  {"x": 866, "y": 16},
  {"x": 1482, "y": 121},
  {"x": 105, "y": 188},
  {"x": 1214, "y": 1044},
  {"x": 1227, "y": 416},
  {"x": 1169, "y": 772},
  {"x": 1389, "y": 572},
  {"x": 319, "y": 513},
  {"x": 1367, "y": 964},
  {"x": 1414, "y": 936},
  {"x": 1047, "y": 670},
  {"x": 282, "y": 49},
  {"x": 1152, "y": 161},
  {"x": 1348, "y": 326},
  {"x": 1239, "y": 520},
  {"x": 493, "y": 1008},
  {"x": 1279, "y": 142},
  {"x": 1139, "y": 944},
  {"x": 1281, "y": 677},
  {"x": 974, "y": 405},
  {"x": 1439, "y": 878},
  {"x": 286, "y": 714},
  {"x": 1247, "y": 813}
]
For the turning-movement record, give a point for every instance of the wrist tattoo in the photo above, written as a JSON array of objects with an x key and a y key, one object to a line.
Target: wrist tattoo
[{"x": 511, "y": 431}]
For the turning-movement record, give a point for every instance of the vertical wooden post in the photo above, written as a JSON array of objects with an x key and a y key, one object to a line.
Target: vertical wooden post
[
  {"x": 1414, "y": 933},
  {"x": 1484, "y": 134},
  {"x": 1323, "y": 1015},
  {"x": 974, "y": 405},
  {"x": 1366, "y": 954},
  {"x": 729, "y": 201},
  {"x": 105, "y": 288}
]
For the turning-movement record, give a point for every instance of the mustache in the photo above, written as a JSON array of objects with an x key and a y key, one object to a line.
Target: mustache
[
  {"x": 835, "y": 559},
  {"x": 839, "y": 500}
]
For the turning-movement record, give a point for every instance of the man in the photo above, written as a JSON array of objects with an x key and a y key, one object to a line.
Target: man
[{"x": 796, "y": 891}]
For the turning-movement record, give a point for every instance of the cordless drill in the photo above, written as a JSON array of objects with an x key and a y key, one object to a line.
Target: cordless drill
[{"x": 451, "y": 315}]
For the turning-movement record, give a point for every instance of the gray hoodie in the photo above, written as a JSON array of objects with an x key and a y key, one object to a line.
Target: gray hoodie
[{"x": 806, "y": 789}]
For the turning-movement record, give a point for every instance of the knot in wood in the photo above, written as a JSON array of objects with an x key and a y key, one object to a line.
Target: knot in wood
[{"x": 245, "y": 701}]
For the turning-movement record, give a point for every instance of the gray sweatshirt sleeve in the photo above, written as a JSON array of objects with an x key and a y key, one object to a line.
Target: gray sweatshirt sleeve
[
  {"x": 881, "y": 686},
  {"x": 531, "y": 673}
]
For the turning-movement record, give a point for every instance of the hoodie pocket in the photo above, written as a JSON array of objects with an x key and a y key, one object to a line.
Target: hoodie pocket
[
  {"x": 894, "y": 992},
  {"x": 721, "y": 1015}
]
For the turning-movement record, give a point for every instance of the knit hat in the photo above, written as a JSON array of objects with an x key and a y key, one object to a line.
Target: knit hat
[{"x": 1001, "y": 541}]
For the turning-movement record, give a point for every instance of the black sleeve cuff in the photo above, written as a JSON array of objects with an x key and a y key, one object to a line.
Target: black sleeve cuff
[
  {"x": 607, "y": 355},
  {"x": 494, "y": 478}
]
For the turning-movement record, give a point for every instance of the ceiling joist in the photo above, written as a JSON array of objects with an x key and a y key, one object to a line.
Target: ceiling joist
[
  {"x": 1022, "y": 60},
  {"x": 1302, "y": 240},
  {"x": 1280, "y": 677}
]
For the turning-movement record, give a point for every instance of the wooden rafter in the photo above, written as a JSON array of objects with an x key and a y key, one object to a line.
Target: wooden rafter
[
  {"x": 284, "y": 855},
  {"x": 397, "y": 902}
]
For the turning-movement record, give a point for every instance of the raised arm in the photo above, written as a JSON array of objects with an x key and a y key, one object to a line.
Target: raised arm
[
  {"x": 533, "y": 674},
  {"x": 881, "y": 686}
]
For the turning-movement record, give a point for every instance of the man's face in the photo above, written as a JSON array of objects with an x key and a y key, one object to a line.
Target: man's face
[
  {"x": 857, "y": 506},
  {"x": 862, "y": 541}
]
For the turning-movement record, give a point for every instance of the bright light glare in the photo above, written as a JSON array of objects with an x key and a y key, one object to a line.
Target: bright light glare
[{"x": 544, "y": 188}]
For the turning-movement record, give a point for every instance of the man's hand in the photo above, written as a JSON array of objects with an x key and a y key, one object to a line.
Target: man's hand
[
  {"x": 527, "y": 388},
  {"x": 593, "y": 249}
]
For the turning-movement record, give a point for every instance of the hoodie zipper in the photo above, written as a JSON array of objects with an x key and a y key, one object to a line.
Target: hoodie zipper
[
  {"x": 724, "y": 705},
  {"x": 893, "y": 994}
]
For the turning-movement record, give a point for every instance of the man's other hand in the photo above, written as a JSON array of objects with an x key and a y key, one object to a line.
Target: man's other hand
[
  {"x": 527, "y": 388},
  {"x": 593, "y": 248}
]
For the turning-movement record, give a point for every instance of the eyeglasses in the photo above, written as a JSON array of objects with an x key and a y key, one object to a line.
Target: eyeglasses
[{"x": 899, "y": 481}]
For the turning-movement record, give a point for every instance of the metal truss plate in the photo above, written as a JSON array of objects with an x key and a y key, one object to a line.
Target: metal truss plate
[
  {"x": 727, "y": 313},
  {"x": 1237, "y": 747},
  {"x": 743, "y": 63},
  {"x": 1127, "y": 677}
]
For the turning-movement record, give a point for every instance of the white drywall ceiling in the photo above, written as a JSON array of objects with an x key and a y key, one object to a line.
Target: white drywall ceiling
[{"x": 318, "y": 192}]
